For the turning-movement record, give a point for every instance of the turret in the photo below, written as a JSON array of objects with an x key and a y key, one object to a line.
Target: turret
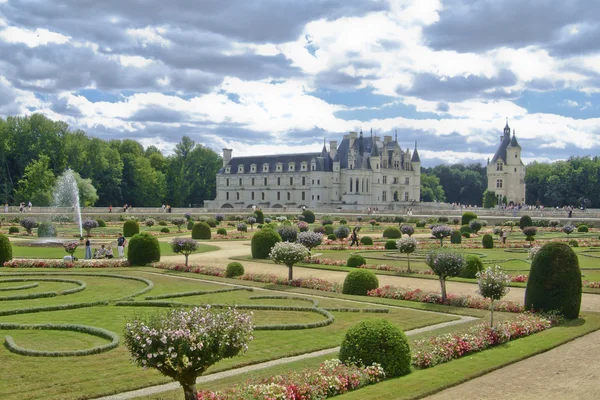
[{"x": 374, "y": 157}]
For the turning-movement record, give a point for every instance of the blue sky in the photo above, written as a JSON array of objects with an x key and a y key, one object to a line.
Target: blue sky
[{"x": 265, "y": 76}]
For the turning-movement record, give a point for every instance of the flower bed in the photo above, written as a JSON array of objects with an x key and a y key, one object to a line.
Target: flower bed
[
  {"x": 196, "y": 269},
  {"x": 440, "y": 349},
  {"x": 65, "y": 264},
  {"x": 330, "y": 379},
  {"x": 401, "y": 293},
  {"x": 307, "y": 283},
  {"x": 518, "y": 278},
  {"x": 591, "y": 284}
]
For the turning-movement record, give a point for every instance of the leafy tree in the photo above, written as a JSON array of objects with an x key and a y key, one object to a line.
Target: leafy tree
[
  {"x": 37, "y": 183},
  {"x": 445, "y": 264},
  {"x": 184, "y": 246},
  {"x": 407, "y": 246},
  {"x": 88, "y": 225},
  {"x": 289, "y": 253},
  {"x": 178, "y": 222},
  {"x": 440, "y": 232},
  {"x": 493, "y": 284},
  {"x": 431, "y": 189},
  {"x": 489, "y": 199}
]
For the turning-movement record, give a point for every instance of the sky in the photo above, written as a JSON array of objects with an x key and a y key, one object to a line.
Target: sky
[{"x": 280, "y": 76}]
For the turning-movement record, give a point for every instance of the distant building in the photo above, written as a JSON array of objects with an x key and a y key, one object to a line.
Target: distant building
[
  {"x": 506, "y": 171},
  {"x": 361, "y": 172}
]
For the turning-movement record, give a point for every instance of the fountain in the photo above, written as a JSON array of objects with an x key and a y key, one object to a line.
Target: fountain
[{"x": 66, "y": 194}]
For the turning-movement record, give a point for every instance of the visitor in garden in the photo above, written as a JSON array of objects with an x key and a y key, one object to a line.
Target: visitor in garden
[
  {"x": 109, "y": 253},
  {"x": 504, "y": 236},
  {"x": 121, "y": 245},
  {"x": 88, "y": 249},
  {"x": 110, "y": 208},
  {"x": 101, "y": 252},
  {"x": 6, "y": 208},
  {"x": 29, "y": 206},
  {"x": 354, "y": 236}
]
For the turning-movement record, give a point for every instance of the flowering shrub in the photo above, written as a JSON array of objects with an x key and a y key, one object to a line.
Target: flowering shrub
[
  {"x": 251, "y": 221},
  {"x": 407, "y": 245},
  {"x": 149, "y": 222},
  {"x": 441, "y": 232},
  {"x": 28, "y": 224},
  {"x": 330, "y": 379},
  {"x": 289, "y": 254},
  {"x": 288, "y": 233},
  {"x": 407, "y": 229},
  {"x": 88, "y": 225},
  {"x": 282, "y": 218},
  {"x": 568, "y": 229},
  {"x": 518, "y": 278},
  {"x": 178, "y": 222},
  {"x": 197, "y": 269},
  {"x": 182, "y": 344},
  {"x": 242, "y": 227},
  {"x": 187, "y": 216},
  {"x": 310, "y": 240},
  {"x": 302, "y": 226},
  {"x": 533, "y": 251},
  {"x": 307, "y": 283},
  {"x": 70, "y": 247},
  {"x": 62, "y": 264},
  {"x": 530, "y": 232},
  {"x": 342, "y": 232},
  {"x": 185, "y": 246},
  {"x": 423, "y": 296},
  {"x": 443, "y": 348},
  {"x": 445, "y": 264},
  {"x": 493, "y": 285}
]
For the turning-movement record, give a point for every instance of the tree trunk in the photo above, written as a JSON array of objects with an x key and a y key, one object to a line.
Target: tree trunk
[
  {"x": 408, "y": 258},
  {"x": 290, "y": 272},
  {"x": 189, "y": 391},
  {"x": 186, "y": 259},
  {"x": 443, "y": 286},
  {"x": 492, "y": 314}
]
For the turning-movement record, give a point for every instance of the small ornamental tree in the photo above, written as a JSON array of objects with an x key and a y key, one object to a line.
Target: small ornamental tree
[
  {"x": 309, "y": 216},
  {"x": 289, "y": 253},
  {"x": 310, "y": 240},
  {"x": 475, "y": 225},
  {"x": 288, "y": 233},
  {"x": 184, "y": 246},
  {"x": 29, "y": 224},
  {"x": 493, "y": 284},
  {"x": 373, "y": 223},
  {"x": 342, "y": 232},
  {"x": 445, "y": 264},
  {"x": 88, "y": 225},
  {"x": 183, "y": 344},
  {"x": 149, "y": 222},
  {"x": 242, "y": 227},
  {"x": 251, "y": 221},
  {"x": 70, "y": 248},
  {"x": 440, "y": 232},
  {"x": 530, "y": 232},
  {"x": 302, "y": 226},
  {"x": 407, "y": 229},
  {"x": 568, "y": 229},
  {"x": 407, "y": 246},
  {"x": 178, "y": 222},
  {"x": 219, "y": 218}
]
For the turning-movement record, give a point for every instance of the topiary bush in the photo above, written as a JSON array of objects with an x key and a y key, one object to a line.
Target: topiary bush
[
  {"x": 573, "y": 243},
  {"x": 377, "y": 341},
  {"x": 262, "y": 243},
  {"x": 466, "y": 235},
  {"x": 475, "y": 225},
  {"x": 101, "y": 223},
  {"x": 13, "y": 229},
  {"x": 288, "y": 233},
  {"x": 201, "y": 230},
  {"x": 130, "y": 228},
  {"x": 366, "y": 240},
  {"x": 465, "y": 229},
  {"x": 342, "y": 232},
  {"x": 359, "y": 282},
  {"x": 143, "y": 249},
  {"x": 582, "y": 228},
  {"x": 5, "y": 249},
  {"x": 164, "y": 229},
  {"x": 190, "y": 225},
  {"x": 309, "y": 216},
  {"x": 554, "y": 282},
  {"x": 221, "y": 231},
  {"x": 212, "y": 222},
  {"x": 407, "y": 229},
  {"x": 234, "y": 269},
  {"x": 473, "y": 265},
  {"x": 392, "y": 232},
  {"x": 467, "y": 217},
  {"x": 525, "y": 221},
  {"x": 487, "y": 241},
  {"x": 390, "y": 245},
  {"x": 456, "y": 236},
  {"x": 421, "y": 223},
  {"x": 355, "y": 260},
  {"x": 327, "y": 229},
  {"x": 46, "y": 229},
  {"x": 28, "y": 224},
  {"x": 162, "y": 223},
  {"x": 331, "y": 236},
  {"x": 260, "y": 217}
]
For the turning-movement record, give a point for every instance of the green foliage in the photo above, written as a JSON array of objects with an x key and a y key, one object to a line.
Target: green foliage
[
  {"x": 162, "y": 223},
  {"x": 212, "y": 222},
  {"x": 475, "y": 225},
  {"x": 466, "y": 235},
  {"x": 130, "y": 228},
  {"x": 222, "y": 231},
  {"x": 473, "y": 265},
  {"x": 260, "y": 217},
  {"x": 328, "y": 229},
  {"x": 309, "y": 216},
  {"x": 201, "y": 230},
  {"x": 37, "y": 183},
  {"x": 390, "y": 245},
  {"x": 331, "y": 237},
  {"x": 356, "y": 260},
  {"x": 456, "y": 236},
  {"x": 143, "y": 249},
  {"x": 262, "y": 243},
  {"x": 234, "y": 269},
  {"x": 573, "y": 243},
  {"x": 101, "y": 223},
  {"x": 164, "y": 229},
  {"x": 366, "y": 240},
  {"x": 431, "y": 189},
  {"x": 554, "y": 282},
  {"x": 489, "y": 199},
  {"x": 487, "y": 241},
  {"x": 525, "y": 221},
  {"x": 377, "y": 341},
  {"x": 421, "y": 223},
  {"x": 46, "y": 229},
  {"x": 582, "y": 228},
  {"x": 190, "y": 225},
  {"x": 467, "y": 217},
  {"x": 463, "y": 184},
  {"x": 13, "y": 229},
  {"x": 5, "y": 249},
  {"x": 359, "y": 282},
  {"x": 465, "y": 229},
  {"x": 392, "y": 232}
]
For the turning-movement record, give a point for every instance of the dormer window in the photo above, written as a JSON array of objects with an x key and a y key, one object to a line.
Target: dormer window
[
  {"x": 240, "y": 169},
  {"x": 279, "y": 167},
  {"x": 291, "y": 167},
  {"x": 499, "y": 166},
  {"x": 303, "y": 166},
  {"x": 265, "y": 168},
  {"x": 253, "y": 168},
  {"x": 228, "y": 169}
]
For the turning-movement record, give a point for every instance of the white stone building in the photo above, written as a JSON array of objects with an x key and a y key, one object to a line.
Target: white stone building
[
  {"x": 361, "y": 172},
  {"x": 506, "y": 171}
]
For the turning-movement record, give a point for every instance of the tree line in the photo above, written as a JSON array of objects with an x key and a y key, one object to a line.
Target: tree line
[{"x": 35, "y": 150}]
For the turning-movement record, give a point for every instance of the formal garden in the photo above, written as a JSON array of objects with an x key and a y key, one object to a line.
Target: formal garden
[{"x": 86, "y": 328}]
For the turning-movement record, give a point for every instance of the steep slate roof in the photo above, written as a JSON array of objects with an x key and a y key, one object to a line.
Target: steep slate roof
[
  {"x": 513, "y": 141},
  {"x": 415, "y": 155},
  {"x": 323, "y": 163}
]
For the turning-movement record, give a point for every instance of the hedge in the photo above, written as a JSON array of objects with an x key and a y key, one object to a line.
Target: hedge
[
  {"x": 39, "y": 295},
  {"x": 196, "y": 293},
  {"x": 23, "y": 287}
]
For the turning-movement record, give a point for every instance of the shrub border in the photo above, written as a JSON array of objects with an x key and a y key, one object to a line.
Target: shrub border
[
  {"x": 196, "y": 293},
  {"x": 30, "y": 286},
  {"x": 314, "y": 302},
  {"x": 58, "y": 307},
  {"x": 82, "y": 286}
]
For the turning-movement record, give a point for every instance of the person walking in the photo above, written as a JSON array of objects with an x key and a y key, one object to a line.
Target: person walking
[
  {"x": 88, "y": 249},
  {"x": 121, "y": 245},
  {"x": 354, "y": 236},
  {"x": 110, "y": 208},
  {"x": 6, "y": 208},
  {"x": 504, "y": 236},
  {"x": 29, "y": 206}
]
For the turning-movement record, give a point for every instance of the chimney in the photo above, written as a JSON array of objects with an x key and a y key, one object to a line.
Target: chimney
[
  {"x": 376, "y": 139},
  {"x": 353, "y": 136},
  {"x": 226, "y": 156},
  {"x": 332, "y": 148},
  {"x": 387, "y": 139}
]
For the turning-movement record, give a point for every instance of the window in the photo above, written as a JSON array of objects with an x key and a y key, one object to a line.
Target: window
[
  {"x": 240, "y": 169},
  {"x": 384, "y": 195},
  {"x": 228, "y": 169},
  {"x": 226, "y": 195},
  {"x": 313, "y": 181},
  {"x": 356, "y": 185},
  {"x": 291, "y": 181},
  {"x": 240, "y": 181},
  {"x": 499, "y": 183},
  {"x": 384, "y": 179},
  {"x": 265, "y": 167},
  {"x": 499, "y": 166},
  {"x": 252, "y": 181},
  {"x": 292, "y": 167},
  {"x": 303, "y": 195},
  {"x": 252, "y": 195},
  {"x": 279, "y": 167},
  {"x": 313, "y": 167},
  {"x": 278, "y": 195},
  {"x": 303, "y": 181},
  {"x": 405, "y": 196},
  {"x": 407, "y": 181},
  {"x": 313, "y": 196},
  {"x": 237, "y": 195},
  {"x": 318, "y": 182},
  {"x": 227, "y": 182},
  {"x": 318, "y": 197},
  {"x": 278, "y": 181},
  {"x": 289, "y": 196},
  {"x": 351, "y": 185},
  {"x": 262, "y": 195},
  {"x": 515, "y": 155},
  {"x": 515, "y": 170},
  {"x": 266, "y": 182},
  {"x": 303, "y": 166},
  {"x": 253, "y": 168}
]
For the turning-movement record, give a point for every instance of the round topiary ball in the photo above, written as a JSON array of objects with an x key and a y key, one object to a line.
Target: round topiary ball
[
  {"x": 377, "y": 341},
  {"x": 487, "y": 241},
  {"x": 390, "y": 245},
  {"x": 13, "y": 229},
  {"x": 467, "y": 217},
  {"x": 473, "y": 265},
  {"x": 466, "y": 229},
  {"x": 143, "y": 249},
  {"x": 130, "y": 228},
  {"x": 583, "y": 228},
  {"x": 355, "y": 260},
  {"x": 5, "y": 249},
  {"x": 366, "y": 240},
  {"x": 309, "y": 216},
  {"x": 456, "y": 237},
  {"x": 101, "y": 223},
  {"x": 234, "y": 269},
  {"x": 46, "y": 229},
  {"x": 164, "y": 229},
  {"x": 331, "y": 236},
  {"x": 573, "y": 243},
  {"x": 554, "y": 282},
  {"x": 525, "y": 221},
  {"x": 392, "y": 232},
  {"x": 328, "y": 229},
  {"x": 262, "y": 243},
  {"x": 359, "y": 282},
  {"x": 201, "y": 230},
  {"x": 222, "y": 231}
]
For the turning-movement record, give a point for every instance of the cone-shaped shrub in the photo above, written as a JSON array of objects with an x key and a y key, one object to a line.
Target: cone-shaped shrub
[
  {"x": 143, "y": 249},
  {"x": 201, "y": 230}
]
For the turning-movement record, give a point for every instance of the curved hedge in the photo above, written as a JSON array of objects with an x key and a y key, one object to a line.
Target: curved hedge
[
  {"x": 143, "y": 249},
  {"x": 38, "y": 295},
  {"x": 262, "y": 243},
  {"x": 201, "y": 230},
  {"x": 234, "y": 269},
  {"x": 356, "y": 260},
  {"x": 130, "y": 228},
  {"x": 377, "y": 341},
  {"x": 554, "y": 282},
  {"x": 392, "y": 232},
  {"x": 5, "y": 249},
  {"x": 359, "y": 282}
]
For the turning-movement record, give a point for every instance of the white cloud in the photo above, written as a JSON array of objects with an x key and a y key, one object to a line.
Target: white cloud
[
  {"x": 569, "y": 103},
  {"x": 39, "y": 37},
  {"x": 149, "y": 35}
]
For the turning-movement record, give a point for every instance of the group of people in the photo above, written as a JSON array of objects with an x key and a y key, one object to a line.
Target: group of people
[
  {"x": 22, "y": 207},
  {"x": 103, "y": 251},
  {"x": 166, "y": 208}
]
